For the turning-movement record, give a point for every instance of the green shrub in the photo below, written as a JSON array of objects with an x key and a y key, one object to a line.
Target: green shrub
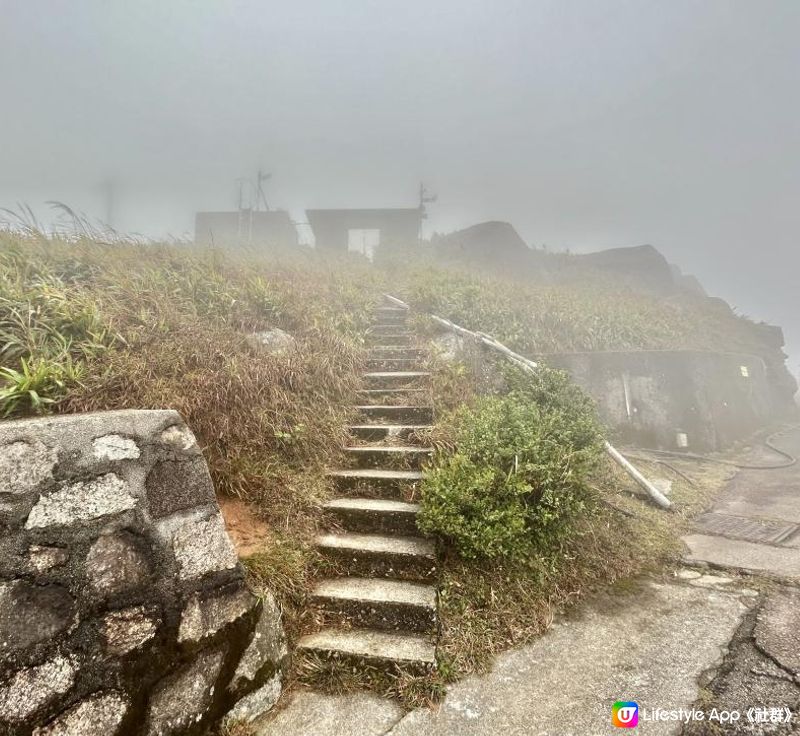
[{"x": 517, "y": 475}]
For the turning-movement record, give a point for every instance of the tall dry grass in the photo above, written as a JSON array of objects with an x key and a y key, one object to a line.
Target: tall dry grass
[{"x": 114, "y": 325}]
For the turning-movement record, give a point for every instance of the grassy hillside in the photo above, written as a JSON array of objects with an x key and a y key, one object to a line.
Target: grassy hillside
[
  {"x": 589, "y": 312},
  {"x": 86, "y": 325}
]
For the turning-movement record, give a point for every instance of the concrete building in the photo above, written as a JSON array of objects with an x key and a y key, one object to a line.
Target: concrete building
[
  {"x": 363, "y": 231},
  {"x": 247, "y": 227}
]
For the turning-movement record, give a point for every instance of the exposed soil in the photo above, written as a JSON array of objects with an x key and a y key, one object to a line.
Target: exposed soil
[{"x": 248, "y": 532}]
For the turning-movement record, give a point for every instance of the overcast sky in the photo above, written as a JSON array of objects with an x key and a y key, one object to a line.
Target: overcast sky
[{"x": 586, "y": 124}]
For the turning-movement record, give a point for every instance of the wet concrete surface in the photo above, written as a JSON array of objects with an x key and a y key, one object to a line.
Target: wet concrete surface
[{"x": 771, "y": 497}]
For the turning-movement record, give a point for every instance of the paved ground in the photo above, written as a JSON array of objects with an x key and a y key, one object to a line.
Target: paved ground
[
  {"x": 755, "y": 523},
  {"x": 761, "y": 670},
  {"x": 754, "y": 527}
]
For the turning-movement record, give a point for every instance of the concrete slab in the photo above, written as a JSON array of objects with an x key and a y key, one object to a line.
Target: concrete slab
[
  {"x": 771, "y": 494},
  {"x": 309, "y": 713},
  {"x": 777, "y": 629},
  {"x": 748, "y": 556},
  {"x": 752, "y": 525},
  {"x": 379, "y": 544},
  {"x": 374, "y": 591},
  {"x": 649, "y": 647},
  {"x": 748, "y": 679},
  {"x": 371, "y": 644}
]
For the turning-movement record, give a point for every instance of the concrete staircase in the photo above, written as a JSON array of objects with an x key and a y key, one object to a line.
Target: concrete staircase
[{"x": 381, "y": 608}]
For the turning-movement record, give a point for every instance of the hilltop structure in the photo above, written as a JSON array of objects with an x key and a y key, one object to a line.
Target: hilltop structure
[
  {"x": 245, "y": 227},
  {"x": 364, "y": 230}
]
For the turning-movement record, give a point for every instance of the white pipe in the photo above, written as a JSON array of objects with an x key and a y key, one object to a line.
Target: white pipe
[
  {"x": 626, "y": 465},
  {"x": 397, "y": 301},
  {"x": 530, "y": 365}
]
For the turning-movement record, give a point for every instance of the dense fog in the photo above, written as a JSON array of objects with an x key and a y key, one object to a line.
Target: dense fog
[{"x": 585, "y": 124}]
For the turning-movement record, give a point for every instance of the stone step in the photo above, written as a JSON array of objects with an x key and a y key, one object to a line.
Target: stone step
[
  {"x": 397, "y": 456},
  {"x": 375, "y": 515},
  {"x": 394, "y": 379},
  {"x": 393, "y": 364},
  {"x": 372, "y": 646},
  {"x": 387, "y": 324},
  {"x": 378, "y": 555},
  {"x": 380, "y": 396},
  {"x": 390, "y": 308},
  {"x": 392, "y": 318},
  {"x": 372, "y": 483},
  {"x": 388, "y": 331},
  {"x": 384, "y": 341},
  {"x": 395, "y": 605},
  {"x": 390, "y": 311},
  {"x": 401, "y": 414},
  {"x": 377, "y": 432},
  {"x": 396, "y": 351}
]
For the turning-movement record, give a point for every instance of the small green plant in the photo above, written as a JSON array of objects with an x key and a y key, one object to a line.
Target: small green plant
[
  {"x": 516, "y": 477},
  {"x": 37, "y": 384}
]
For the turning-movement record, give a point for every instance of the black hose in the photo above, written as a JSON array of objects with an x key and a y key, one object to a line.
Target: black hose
[
  {"x": 677, "y": 472},
  {"x": 790, "y": 459}
]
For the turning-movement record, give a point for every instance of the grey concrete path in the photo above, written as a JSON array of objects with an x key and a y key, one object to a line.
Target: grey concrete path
[
  {"x": 755, "y": 523},
  {"x": 649, "y": 646}
]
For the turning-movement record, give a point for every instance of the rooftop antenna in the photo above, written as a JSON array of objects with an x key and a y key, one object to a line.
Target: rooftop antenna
[
  {"x": 425, "y": 197},
  {"x": 260, "y": 196}
]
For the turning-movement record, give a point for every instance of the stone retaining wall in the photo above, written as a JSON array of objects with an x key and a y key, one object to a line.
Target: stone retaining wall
[
  {"x": 123, "y": 608},
  {"x": 677, "y": 399}
]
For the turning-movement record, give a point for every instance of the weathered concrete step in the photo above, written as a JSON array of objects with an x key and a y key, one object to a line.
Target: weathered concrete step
[
  {"x": 378, "y": 555},
  {"x": 372, "y": 483},
  {"x": 393, "y": 364},
  {"x": 383, "y": 341},
  {"x": 381, "y": 312},
  {"x": 376, "y": 432},
  {"x": 396, "y": 375},
  {"x": 372, "y": 646},
  {"x": 378, "y": 395},
  {"x": 394, "y": 318},
  {"x": 406, "y": 456},
  {"x": 395, "y": 351},
  {"x": 396, "y": 605},
  {"x": 394, "y": 379},
  {"x": 375, "y": 515},
  {"x": 399, "y": 414},
  {"x": 388, "y": 330}
]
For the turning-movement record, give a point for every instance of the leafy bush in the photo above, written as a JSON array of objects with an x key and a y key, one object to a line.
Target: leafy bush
[{"x": 516, "y": 476}]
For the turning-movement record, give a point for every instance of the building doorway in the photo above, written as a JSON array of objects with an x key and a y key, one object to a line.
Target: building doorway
[{"x": 363, "y": 241}]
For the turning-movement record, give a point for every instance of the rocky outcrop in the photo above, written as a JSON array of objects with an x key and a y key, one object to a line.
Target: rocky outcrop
[
  {"x": 123, "y": 608},
  {"x": 494, "y": 244}
]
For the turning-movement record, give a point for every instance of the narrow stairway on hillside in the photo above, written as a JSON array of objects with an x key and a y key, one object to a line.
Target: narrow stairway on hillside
[{"x": 381, "y": 607}]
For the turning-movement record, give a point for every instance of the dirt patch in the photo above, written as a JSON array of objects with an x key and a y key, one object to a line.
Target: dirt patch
[{"x": 248, "y": 532}]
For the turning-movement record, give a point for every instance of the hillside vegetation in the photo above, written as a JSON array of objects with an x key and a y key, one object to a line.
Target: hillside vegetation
[
  {"x": 590, "y": 312},
  {"x": 529, "y": 516}
]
